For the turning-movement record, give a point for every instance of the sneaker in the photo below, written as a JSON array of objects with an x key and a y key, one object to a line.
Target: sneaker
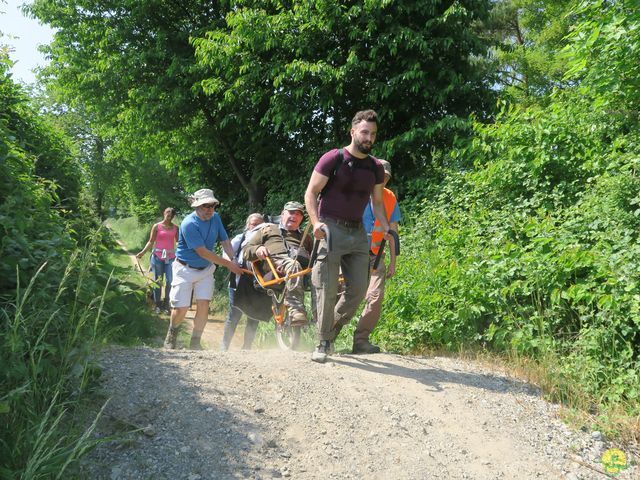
[
  {"x": 365, "y": 347},
  {"x": 157, "y": 310},
  {"x": 322, "y": 350},
  {"x": 194, "y": 344},
  {"x": 171, "y": 338}
]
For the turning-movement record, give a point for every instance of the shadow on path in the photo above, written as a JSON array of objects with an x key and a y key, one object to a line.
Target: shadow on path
[{"x": 434, "y": 378}]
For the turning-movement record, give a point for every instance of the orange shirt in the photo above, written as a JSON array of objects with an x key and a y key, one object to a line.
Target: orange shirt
[{"x": 389, "y": 200}]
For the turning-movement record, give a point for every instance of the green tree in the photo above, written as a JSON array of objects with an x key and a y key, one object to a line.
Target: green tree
[
  {"x": 132, "y": 66},
  {"x": 275, "y": 83},
  {"x": 306, "y": 67},
  {"x": 528, "y": 37}
]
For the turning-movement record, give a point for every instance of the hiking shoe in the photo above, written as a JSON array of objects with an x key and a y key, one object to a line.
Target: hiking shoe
[
  {"x": 171, "y": 338},
  {"x": 322, "y": 350},
  {"x": 194, "y": 344},
  {"x": 365, "y": 347},
  {"x": 297, "y": 318}
]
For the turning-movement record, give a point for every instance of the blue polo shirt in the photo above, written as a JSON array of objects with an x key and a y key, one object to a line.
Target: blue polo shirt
[{"x": 195, "y": 233}]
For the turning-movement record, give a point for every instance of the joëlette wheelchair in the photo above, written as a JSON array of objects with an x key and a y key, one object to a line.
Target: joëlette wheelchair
[
  {"x": 260, "y": 295},
  {"x": 271, "y": 284}
]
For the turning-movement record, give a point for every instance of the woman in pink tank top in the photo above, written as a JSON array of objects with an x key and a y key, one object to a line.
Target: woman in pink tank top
[{"x": 163, "y": 238}]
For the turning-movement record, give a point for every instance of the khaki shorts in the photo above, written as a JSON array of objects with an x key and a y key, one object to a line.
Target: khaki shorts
[{"x": 187, "y": 280}]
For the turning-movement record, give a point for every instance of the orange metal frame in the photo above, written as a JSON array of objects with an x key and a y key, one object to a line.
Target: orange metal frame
[
  {"x": 276, "y": 277},
  {"x": 278, "y": 309}
]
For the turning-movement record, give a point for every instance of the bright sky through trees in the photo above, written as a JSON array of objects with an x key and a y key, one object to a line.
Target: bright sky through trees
[{"x": 23, "y": 35}]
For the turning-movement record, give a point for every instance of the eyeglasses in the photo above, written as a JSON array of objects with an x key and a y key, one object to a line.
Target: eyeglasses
[{"x": 209, "y": 205}]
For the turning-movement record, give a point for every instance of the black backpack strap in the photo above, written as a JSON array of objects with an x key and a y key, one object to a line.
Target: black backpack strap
[{"x": 336, "y": 167}]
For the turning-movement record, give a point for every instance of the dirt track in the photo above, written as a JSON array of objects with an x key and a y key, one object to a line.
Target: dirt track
[{"x": 272, "y": 414}]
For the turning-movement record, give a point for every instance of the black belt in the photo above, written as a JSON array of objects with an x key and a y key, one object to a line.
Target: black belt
[
  {"x": 187, "y": 265},
  {"x": 344, "y": 223}
]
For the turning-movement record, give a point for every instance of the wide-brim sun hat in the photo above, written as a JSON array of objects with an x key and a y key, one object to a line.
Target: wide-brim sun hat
[{"x": 203, "y": 196}]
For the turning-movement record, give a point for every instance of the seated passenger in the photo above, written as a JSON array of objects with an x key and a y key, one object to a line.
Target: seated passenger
[{"x": 282, "y": 243}]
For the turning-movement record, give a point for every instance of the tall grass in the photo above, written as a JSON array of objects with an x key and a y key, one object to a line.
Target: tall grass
[
  {"x": 47, "y": 337},
  {"x": 130, "y": 232}
]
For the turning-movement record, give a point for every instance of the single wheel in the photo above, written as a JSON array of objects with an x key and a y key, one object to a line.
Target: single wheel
[{"x": 288, "y": 337}]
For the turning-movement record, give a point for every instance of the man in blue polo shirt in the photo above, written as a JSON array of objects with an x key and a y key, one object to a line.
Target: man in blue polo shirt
[{"x": 195, "y": 264}]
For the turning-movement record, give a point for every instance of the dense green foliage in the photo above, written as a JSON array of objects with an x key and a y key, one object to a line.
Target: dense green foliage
[
  {"x": 533, "y": 246},
  {"x": 233, "y": 95},
  {"x": 58, "y": 298},
  {"x": 33, "y": 166}
]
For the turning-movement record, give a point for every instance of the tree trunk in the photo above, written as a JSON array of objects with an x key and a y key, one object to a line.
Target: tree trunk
[{"x": 254, "y": 191}]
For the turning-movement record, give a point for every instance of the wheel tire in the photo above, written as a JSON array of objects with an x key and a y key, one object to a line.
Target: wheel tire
[{"x": 288, "y": 337}]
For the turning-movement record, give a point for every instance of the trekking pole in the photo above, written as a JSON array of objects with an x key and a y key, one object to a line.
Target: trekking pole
[
  {"x": 396, "y": 242},
  {"x": 147, "y": 281},
  {"x": 376, "y": 262},
  {"x": 142, "y": 272}
]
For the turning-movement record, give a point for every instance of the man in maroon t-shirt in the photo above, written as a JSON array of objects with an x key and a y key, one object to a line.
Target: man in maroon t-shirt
[{"x": 337, "y": 223}]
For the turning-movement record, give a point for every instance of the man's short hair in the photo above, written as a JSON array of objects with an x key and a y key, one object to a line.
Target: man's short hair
[{"x": 366, "y": 115}]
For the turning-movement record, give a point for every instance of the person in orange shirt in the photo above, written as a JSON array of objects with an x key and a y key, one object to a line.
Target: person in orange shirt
[{"x": 375, "y": 293}]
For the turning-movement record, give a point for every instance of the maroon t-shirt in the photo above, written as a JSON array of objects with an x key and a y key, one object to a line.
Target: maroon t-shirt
[{"x": 347, "y": 193}]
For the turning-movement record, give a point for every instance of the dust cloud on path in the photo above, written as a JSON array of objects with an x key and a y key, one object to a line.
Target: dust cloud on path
[{"x": 274, "y": 414}]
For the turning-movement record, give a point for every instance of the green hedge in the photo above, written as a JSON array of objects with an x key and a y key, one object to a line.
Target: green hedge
[{"x": 533, "y": 251}]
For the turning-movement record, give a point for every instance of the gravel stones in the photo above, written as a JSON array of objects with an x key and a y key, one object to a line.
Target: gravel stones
[{"x": 273, "y": 414}]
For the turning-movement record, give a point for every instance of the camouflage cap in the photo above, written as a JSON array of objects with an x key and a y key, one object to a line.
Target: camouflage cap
[{"x": 294, "y": 206}]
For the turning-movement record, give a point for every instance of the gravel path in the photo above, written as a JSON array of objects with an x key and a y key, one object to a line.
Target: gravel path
[{"x": 272, "y": 414}]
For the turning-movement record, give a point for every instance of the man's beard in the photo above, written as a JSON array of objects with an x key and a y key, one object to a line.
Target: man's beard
[{"x": 362, "y": 148}]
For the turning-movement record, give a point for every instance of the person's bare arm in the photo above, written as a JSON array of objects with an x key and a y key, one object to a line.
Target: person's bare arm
[
  {"x": 152, "y": 240},
  {"x": 391, "y": 270},
  {"x": 378, "y": 209},
  {"x": 218, "y": 260},
  {"x": 316, "y": 184}
]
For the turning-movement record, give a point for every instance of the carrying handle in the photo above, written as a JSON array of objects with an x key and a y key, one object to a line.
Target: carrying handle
[
  {"x": 376, "y": 262},
  {"x": 383, "y": 242}
]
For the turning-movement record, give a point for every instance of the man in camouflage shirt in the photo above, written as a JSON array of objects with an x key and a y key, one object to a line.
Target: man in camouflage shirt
[{"x": 281, "y": 243}]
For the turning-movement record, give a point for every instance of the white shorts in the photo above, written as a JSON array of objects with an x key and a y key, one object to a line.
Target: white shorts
[{"x": 187, "y": 280}]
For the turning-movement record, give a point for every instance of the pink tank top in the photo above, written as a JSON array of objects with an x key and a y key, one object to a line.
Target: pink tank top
[{"x": 165, "y": 241}]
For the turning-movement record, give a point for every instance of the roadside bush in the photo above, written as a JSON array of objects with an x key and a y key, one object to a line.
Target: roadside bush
[
  {"x": 533, "y": 252},
  {"x": 58, "y": 299},
  {"x": 41, "y": 217}
]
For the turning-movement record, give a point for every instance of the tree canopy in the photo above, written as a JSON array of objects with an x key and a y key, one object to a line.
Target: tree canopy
[{"x": 239, "y": 94}]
